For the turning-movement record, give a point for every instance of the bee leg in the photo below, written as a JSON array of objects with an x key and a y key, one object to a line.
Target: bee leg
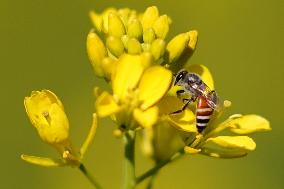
[
  {"x": 184, "y": 107},
  {"x": 185, "y": 100}
]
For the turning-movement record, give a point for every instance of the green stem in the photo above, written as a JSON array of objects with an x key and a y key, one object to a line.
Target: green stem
[
  {"x": 90, "y": 177},
  {"x": 129, "y": 160},
  {"x": 152, "y": 179},
  {"x": 161, "y": 164}
]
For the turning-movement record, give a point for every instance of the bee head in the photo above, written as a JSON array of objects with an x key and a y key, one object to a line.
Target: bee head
[{"x": 180, "y": 76}]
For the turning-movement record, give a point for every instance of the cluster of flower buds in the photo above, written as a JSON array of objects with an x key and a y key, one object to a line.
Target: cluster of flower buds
[{"x": 119, "y": 31}]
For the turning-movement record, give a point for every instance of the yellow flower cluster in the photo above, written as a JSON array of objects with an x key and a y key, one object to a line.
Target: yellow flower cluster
[
  {"x": 127, "y": 32},
  {"x": 130, "y": 50}
]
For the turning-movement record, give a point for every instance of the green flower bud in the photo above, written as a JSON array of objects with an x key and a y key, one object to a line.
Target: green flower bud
[
  {"x": 149, "y": 35},
  {"x": 158, "y": 48},
  {"x": 115, "y": 45},
  {"x": 115, "y": 25},
  {"x": 133, "y": 46},
  {"x": 161, "y": 26},
  {"x": 177, "y": 45},
  {"x": 96, "y": 51},
  {"x": 134, "y": 28},
  {"x": 149, "y": 17}
]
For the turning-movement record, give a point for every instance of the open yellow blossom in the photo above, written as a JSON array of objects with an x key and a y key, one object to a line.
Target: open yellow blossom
[
  {"x": 136, "y": 90},
  {"x": 207, "y": 143},
  {"x": 46, "y": 113}
]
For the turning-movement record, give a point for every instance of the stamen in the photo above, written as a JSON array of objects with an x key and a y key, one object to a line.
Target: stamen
[
  {"x": 45, "y": 113},
  {"x": 227, "y": 103}
]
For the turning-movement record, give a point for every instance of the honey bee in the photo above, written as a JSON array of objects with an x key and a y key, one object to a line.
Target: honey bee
[{"x": 207, "y": 99}]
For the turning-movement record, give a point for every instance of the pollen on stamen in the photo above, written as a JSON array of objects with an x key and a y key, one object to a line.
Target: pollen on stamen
[
  {"x": 227, "y": 103},
  {"x": 45, "y": 113}
]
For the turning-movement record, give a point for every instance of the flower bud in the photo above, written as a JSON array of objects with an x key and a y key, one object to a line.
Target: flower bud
[
  {"x": 125, "y": 40},
  {"x": 108, "y": 65},
  {"x": 146, "y": 47},
  {"x": 177, "y": 46},
  {"x": 115, "y": 45},
  {"x": 134, "y": 29},
  {"x": 161, "y": 26},
  {"x": 193, "y": 36},
  {"x": 47, "y": 115},
  {"x": 149, "y": 17},
  {"x": 97, "y": 20},
  {"x": 115, "y": 25},
  {"x": 96, "y": 52},
  {"x": 133, "y": 46},
  {"x": 124, "y": 15},
  {"x": 149, "y": 35},
  {"x": 158, "y": 48},
  {"x": 105, "y": 18}
]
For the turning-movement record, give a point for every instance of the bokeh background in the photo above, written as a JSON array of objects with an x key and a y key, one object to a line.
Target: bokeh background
[{"x": 42, "y": 45}]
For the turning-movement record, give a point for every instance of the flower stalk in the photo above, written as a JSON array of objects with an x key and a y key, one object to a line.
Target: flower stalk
[
  {"x": 161, "y": 164},
  {"x": 129, "y": 160},
  {"x": 89, "y": 176}
]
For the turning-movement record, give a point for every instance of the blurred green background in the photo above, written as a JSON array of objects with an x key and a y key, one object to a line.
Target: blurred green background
[{"x": 42, "y": 45}]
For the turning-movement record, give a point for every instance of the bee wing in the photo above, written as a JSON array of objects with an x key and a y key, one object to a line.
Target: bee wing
[{"x": 211, "y": 97}]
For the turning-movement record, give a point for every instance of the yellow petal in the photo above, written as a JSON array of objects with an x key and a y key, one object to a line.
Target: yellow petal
[
  {"x": 223, "y": 154},
  {"x": 203, "y": 72},
  {"x": 106, "y": 105},
  {"x": 248, "y": 124},
  {"x": 146, "y": 118},
  {"x": 126, "y": 77},
  {"x": 154, "y": 84},
  {"x": 234, "y": 142},
  {"x": 58, "y": 130},
  {"x": 41, "y": 161},
  {"x": 228, "y": 146},
  {"x": 47, "y": 115},
  {"x": 91, "y": 135},
  {"x": 166, "y": 141},
  {"x": 184, "y": 121}
]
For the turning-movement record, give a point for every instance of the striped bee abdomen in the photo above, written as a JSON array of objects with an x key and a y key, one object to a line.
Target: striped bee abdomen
[{"x": 203, "y": 113}]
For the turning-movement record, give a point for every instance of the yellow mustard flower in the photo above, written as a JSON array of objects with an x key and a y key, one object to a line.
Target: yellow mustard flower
[
  {"x": 135, "y": 92},
  {"x": 46, "y": 113},
  {"x": 207, "y": 142}
]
